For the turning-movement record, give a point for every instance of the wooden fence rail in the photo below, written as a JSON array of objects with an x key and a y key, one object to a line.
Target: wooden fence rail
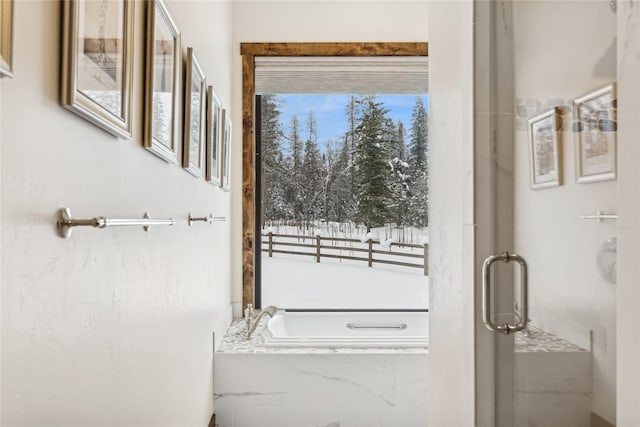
[{"x": 317, "y": 245}]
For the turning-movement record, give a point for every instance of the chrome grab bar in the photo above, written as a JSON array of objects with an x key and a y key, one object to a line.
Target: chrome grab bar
[
  {"x": 487, "y": 317},
  {"x": 354, "y": 326},
  {"x": 66, "y": 222}
]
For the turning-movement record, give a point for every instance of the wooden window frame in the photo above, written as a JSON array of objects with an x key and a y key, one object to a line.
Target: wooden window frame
[{"x": 249, "y": 51}]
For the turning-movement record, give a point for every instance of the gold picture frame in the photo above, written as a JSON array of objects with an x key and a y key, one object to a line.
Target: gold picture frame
[
  {"x": 162, "y": 82},
  {"x": 214, "y": 132},
  {"x": 226, "y": 150},
  {"x": 195, "y": 85},
  {"x": 595, "y": 129},
  {"x": 545, "y": 156},
  {"x": 6, "y": 38},
  {"x": 97, "y": 63}
]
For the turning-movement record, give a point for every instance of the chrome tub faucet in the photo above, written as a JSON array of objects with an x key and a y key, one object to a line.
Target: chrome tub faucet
[{"x": 252, "y": 318}]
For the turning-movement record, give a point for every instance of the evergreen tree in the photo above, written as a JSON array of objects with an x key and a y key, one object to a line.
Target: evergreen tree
[
  {"x": 399, "y": 184},
  {"x": 339, "y": 203},
  {"x": 399, "y": 173},
  {"x": 350, "y": 143},
  {"x": 418, "y": 165},
  {"x": 400, "y": 147},
  {"x": 418, "y": 146},
  {"x": 372, "y": 164},
  {"x": 273, "y": 200},
  {"x": 311, "y": 176},
  {"x": 294, "y": 192}
]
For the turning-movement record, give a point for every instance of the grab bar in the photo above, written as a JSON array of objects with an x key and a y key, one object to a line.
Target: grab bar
[
  {"x": 66, "y": 222},
  {"x": 400, "y": 326}
]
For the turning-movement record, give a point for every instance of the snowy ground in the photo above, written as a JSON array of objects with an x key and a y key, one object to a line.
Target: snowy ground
[{"x": 297, "y": 281}]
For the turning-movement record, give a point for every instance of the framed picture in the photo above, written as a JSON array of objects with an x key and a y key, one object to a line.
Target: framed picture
[
  {"x": 544, "y": 151},
  {"x": 194, "y": 117},
  {"x": 226, "y": 150},
  {"x": 214, "y": 145},
  {"x": 162, "y": 85},
  {"x": 97, "y": 62},
  {"x": 6, "y": 38},
  {"x": 595, "y": 128}
]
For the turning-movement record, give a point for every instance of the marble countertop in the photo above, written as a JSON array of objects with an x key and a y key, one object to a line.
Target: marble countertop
[{"x": 234, "y": 341}]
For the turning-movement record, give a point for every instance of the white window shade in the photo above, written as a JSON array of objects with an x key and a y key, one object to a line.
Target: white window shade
[{"x": 341, "y": 75}]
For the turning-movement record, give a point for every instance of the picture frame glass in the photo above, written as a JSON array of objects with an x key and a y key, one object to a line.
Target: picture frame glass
[
  {"x": 100, "y": 57},
  {"x": 163, "y": 82},
  {"x": 545, "y": 166},
  {"x": 597, "y": 133},
  {"x": 6, "y": 38},
  {"x": 195, "y": 120},
  {"x": 226, "y": 149},
  {"x": 213, "y": 138}
]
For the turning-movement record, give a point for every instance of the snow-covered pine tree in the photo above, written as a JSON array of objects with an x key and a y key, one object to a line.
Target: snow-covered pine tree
[
  {"x": 273, "y": 200},
  {"x": 294, "y": 193},
  {"x": 373, "y": 193},
  {"x": 418, "y": 165},
  {"x": 351, "y": 111},
  {"x": 311, "y": 176},
  {"x": 398, "y": 174},
  {"x": 400, "y": 146},
  {"x": 340, "y": 200}
]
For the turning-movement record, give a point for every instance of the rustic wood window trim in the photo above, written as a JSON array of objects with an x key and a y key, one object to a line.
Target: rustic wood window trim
[{"x": 249, "y": 51}]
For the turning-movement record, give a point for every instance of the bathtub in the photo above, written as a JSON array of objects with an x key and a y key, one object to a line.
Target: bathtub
[
  {"x": 310, "y": 369},
  {"x": 346, "y": 329}
]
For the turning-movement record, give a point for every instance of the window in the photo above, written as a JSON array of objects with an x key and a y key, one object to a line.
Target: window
[{"x": 330, "y": 224}]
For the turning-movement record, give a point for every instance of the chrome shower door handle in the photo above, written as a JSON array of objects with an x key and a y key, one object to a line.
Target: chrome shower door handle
[{"x": 487, "y": 317}]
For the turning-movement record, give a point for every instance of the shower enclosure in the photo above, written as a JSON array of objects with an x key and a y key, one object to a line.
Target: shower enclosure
[{"x": 546, "y": 191}]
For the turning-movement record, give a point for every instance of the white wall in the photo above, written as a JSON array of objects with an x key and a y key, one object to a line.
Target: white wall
[
  {"x": 114, "y": 326},
  {"x": 309, "y": 21},
  {"x": 451, "y": 222},
  {"x": 563, "y": 50},
  {"x": 629, "y": 222}
]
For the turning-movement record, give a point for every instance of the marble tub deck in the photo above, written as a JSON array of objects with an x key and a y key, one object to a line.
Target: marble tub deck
[{"x": 234, "y": 341}]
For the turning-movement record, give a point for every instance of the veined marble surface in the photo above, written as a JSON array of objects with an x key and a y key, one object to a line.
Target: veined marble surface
[
  {"x": 234, "y": 341},
  {"x": 536, "y": 340}
]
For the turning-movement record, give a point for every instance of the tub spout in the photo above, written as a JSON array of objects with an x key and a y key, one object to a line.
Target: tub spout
[{"x": 252, "y": 319}]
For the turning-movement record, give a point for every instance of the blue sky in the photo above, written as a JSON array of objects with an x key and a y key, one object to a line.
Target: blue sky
[{"x": 329, "y": 111}]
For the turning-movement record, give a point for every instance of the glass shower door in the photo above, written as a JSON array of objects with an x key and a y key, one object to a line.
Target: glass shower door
[{"x": 550, "y": 300}]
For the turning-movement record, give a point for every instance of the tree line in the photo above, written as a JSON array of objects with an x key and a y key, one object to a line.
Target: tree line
[{"x": 373, "y": 175}]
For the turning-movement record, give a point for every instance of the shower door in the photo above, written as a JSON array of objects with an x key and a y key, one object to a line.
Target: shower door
[{"x": 546, "y": 138}]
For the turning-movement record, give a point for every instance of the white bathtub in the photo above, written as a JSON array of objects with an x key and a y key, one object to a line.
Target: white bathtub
[{"x": 347, "y": 330}]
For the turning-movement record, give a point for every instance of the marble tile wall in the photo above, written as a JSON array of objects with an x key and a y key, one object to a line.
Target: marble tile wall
[
  {"x": 312, "y": 390},
  {"x": 553, "y": 389}
]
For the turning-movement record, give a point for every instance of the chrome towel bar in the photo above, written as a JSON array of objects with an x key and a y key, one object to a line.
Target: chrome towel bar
[
  {"x": 599, "y": 216},
  {"x": 66, "y": 222},
  {"x": 209, "y": 219}
]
